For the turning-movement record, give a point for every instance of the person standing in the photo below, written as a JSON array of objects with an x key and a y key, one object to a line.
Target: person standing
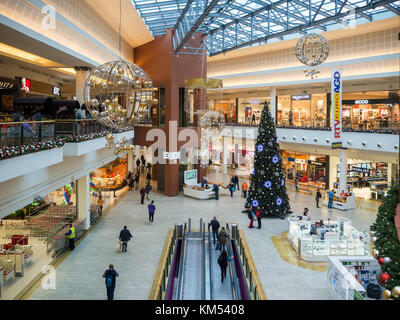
[
  {"x": 216, "y": 191},
  {"x": 71, "y": 236},
  {"x": 130, "y": 182},
  {"x": 143, "y": 162},
  {"x": 100, "y": 204},
  {"x": 223, "y": 263},
  {"x": 295, "y": 183},
  {"x": 251, "y": 216},
  {"x": 222, "y": 237},
  {"x": 317, "y": 197},
  {"x": 258, "y": 216},
  {"x": 331, "y": 194},
  {"x": 305, "y": 217},
  {"x": 142, "y": 194},
  {"x": 231, "y": 188},
  {"x": 111, "y": 279},
  {"x": 244, "y": 189},
  {"x": 124, "y": 237},
  {"x": 152, "y": 209},
  {"x": 138, "y": 165},
  {"x": 236, "y": 182},
  {"x": 137, "y": 177},
  {"x": 253, "y": 119},
  {"x": 214, "y": 223},
  {"x": 148, "y": 190}
]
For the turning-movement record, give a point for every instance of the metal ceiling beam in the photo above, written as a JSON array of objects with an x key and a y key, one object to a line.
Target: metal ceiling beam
[
  {"x": 315, "y": 23},
  {"x": 178, "y": 44},
  {"x": 393, "y": 9}
]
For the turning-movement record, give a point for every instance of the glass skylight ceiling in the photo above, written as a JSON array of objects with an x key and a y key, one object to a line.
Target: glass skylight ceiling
[{"x": 234, "y": 24}]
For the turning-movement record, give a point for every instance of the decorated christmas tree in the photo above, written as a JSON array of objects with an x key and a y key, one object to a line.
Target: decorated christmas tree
[
  {"x": 267, "y": 180},
  {"x": 386, "y": 243}
]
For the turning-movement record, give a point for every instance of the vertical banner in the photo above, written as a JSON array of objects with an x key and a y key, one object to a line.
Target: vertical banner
[{"x": 336, "y": 118}]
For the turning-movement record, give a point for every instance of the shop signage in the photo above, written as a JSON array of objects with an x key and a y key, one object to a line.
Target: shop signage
[
  {"x": 25, "y": 84},
  {"x": 291, "y": 159},
  {"x": 361, "y": 101},
  {"x": 171, "y": 155},
  {"x": 363, "y": 170},
  {"x": 56, "y": 91},
  {"x": 336, "y": 145},
  {"x": 6, "y": 84},
  {"x": 301, "y": 97},
  {"x": 336, "y": 85}
]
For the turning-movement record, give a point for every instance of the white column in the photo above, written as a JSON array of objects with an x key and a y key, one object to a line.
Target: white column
[
  {"x": 81, "y": 76},
  {"x": 343, "y": 170},
  {"x": 130, "y": 161},
  {"x": 333, "y": 163},
  {"x": 83, "y": 200},
  {"x": 224, "y": 155},
  {"x": 273, "y": 102}
]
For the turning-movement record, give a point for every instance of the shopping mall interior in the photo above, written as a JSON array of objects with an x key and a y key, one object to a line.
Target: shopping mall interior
[{"x": 169, "y": 116}]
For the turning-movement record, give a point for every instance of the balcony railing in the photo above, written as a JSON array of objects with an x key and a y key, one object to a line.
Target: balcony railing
[{"x": 26, "y": 133}]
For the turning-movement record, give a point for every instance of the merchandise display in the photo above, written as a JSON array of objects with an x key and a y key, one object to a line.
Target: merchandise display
[
  {"x": 111, "y": 176},
  {"x": 349, "y": 277},
  {"x": 196, "y": 190},
  {"x": 335, "y": 238}
]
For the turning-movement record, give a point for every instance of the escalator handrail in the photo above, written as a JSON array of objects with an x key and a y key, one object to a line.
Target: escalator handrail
[
  {"x": 181, "y": 264},
  {"x": 231, "y": 270},
  {"x": 210, "y": 264},
  {"x": 203, "y": 267}
]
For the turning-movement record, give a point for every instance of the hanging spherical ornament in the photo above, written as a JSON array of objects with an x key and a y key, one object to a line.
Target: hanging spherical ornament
[
  {"x": 374, "y": 239},
  {"x": 396, "y": 292},
  {"x": 375, "y": 253},
  {"x": 380, "y": 260},
  {"x": 387, "y": 294},
  {"x": 114, "y": 102},
  {"x": 384, "y": 277},
  {"x": 312, "y": 49},
  {"x": 372, "y": 233},
  {"x": 255, "y": 203},
  {"x": 212, "y": 120},
  {"x": 386, "y": 260}
]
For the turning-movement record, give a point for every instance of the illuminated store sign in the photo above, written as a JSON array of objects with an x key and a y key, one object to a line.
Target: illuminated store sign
[
  {"x": 56, "y": 91},
  {"x": 301, "y": 97},
  {"x": 6, "y": 84},
  {"x": 336, "y": 85},
  {"x": 361, "y": 102},
  {"x": 25, "y": 84}
]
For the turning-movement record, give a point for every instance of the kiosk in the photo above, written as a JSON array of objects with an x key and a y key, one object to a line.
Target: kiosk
[
  {"x": 193, "y": 189},
  {"x": 336, "y": 238}
]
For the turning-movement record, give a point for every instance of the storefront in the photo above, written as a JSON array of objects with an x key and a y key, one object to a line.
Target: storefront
[
  {"x": 371, "y": 110},
  {"x": 227, "y": 107},
  {"x": 309, "y": 169},
  {"x": 370, "y": 179},
  {"x": 8, "y": 92},
  {"x": 304, "y": 110},
  {"x": 249, "y": 109},
  {"x": 111, "y": 176}
]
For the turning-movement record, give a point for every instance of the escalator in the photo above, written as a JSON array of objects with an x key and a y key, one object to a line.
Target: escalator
[{"x": 195, "y": 273}]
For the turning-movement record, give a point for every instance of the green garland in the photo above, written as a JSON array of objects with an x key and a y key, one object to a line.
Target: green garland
[{"x": 15, "y": 151}]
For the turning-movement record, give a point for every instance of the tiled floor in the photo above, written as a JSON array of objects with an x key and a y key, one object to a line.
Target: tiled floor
[{"x": 79, "y": 275}]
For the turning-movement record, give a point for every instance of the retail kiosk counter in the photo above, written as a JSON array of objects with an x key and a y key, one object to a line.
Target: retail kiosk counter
[
  {"x": 337, "y": 238},
  {"x": 343, "y": 204}
]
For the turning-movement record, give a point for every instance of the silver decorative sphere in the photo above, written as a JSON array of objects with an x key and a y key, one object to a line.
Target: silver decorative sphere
[
  {"x": 114, "y": 94},
  {"x": 312, "y": 49},
  {"x": 212, "y": 120},
  {"x": 387, "y": 260}
]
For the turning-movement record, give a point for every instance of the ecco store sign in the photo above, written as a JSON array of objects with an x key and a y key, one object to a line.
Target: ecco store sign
[
  {"x": 336, "y": 85},
  {"x": 361, "y": 102}
]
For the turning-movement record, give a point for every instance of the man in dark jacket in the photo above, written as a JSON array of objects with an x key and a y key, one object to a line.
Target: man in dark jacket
[
  {"x": 138, "y": 165},
  {"x": 111, "y": 280},
  {"x": 236, "y": 181},
  {"x": 317, "y": 197},
  {"x": 124, "y": 237},
  {"x": 148, "y": 190},
  {"x": 216, "y": 191},
  {"x": 142, "y": 194},
  {"x": 137, "y": 176},
  {"x": 214, "y": 227}
]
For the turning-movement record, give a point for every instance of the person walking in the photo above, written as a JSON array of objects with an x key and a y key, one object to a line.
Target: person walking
[
  {"x": 124, "y": 237},
  {"x": 216, "y": 191},
  {"x": 138, "y": 165},
  {"x": 130, "y": 182},
  {"x": 222, "y": 237},
  {"x": 251, "y": 216},
  {"x": 317, "y": 197},
  {"x": 143, "y": 162},
  {"x": 236, "y": 182},
  {"x": 295, "y": 183},
  {"x": 244, "y": 189},
  {"x": 137, "y": 177},
  {"x": 214, "y": 223},
  {"x": 253, "y": 119},
  {"x": 231, "y": 189},
  {"x": 71, "y": 236},
  {"x": 111, "y": 279},
  {"x": 258, "y": 216},
  {"x": 331, "y": 194},
  {"x": 152, "y": 209},
  {"x": 100, "y": 204},
  {"x": 142, "y": 194},
  {"x": 148, "y": 177},
  {"x": 223, "y": 263},
  {"x": 148, "y": 190}
]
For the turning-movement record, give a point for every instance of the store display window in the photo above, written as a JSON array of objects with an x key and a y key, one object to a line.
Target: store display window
[
  {"x": 370, "y": 111},
  {"x": 111, "y": 176},
  {"x": 249, "y": 109},
  {"x": 301, "y": 110},
  {"x": 227, "y": 108},
  {"x": 318, "y": 110},
  {"x": 283, "y": 112}
]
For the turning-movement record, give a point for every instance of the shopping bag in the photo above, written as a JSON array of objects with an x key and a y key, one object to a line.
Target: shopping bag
[
  {"x": 119, "y": 246},
  {"x": 218, "y": 246}
]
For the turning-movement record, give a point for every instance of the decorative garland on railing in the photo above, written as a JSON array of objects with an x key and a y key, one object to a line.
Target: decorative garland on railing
[
  {"x": 15, "y": 151},
  {"x": 382, "y": 131}
]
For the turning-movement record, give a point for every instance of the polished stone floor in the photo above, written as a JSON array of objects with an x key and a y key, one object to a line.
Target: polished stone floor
[{"x": 79, "y": 275}]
